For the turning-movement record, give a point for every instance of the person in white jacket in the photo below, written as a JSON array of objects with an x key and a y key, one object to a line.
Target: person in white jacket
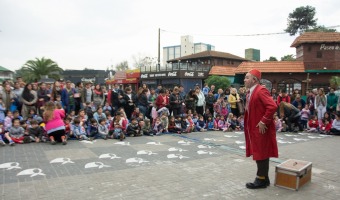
[{"x": 335, "y": 130}]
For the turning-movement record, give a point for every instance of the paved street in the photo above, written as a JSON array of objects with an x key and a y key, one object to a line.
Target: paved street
[{"x": 209, "y": 165}]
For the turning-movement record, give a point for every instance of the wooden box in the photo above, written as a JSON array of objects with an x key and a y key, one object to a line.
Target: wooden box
[{"x": 293, "y": 174}]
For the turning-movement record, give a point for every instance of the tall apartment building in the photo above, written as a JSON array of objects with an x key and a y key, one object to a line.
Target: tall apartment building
[
  {"x": 252, "y": 54},
  {"x": 187, "y": 47}
]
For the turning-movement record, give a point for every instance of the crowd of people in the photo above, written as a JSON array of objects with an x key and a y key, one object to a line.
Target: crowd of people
[{"x": 62, "y": 111}]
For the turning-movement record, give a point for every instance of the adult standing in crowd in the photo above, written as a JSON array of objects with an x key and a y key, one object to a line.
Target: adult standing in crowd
[
  {"x": 115, "y": 98},
  {"x": 320, "y": 104},
  {"x": 283, "y": 97},
  {"x": 29, "y": 99},
  {"x": 18, "y": 92},
  {"x": 299, "y": 102},
  {"x": 43, "y": 97},
  {"x": 310, "y": 101},
  {"x": 274, "y": 94},
  {"x": 332, "y": 101},
  {"x": 190, "y": 101},
  {"x": 77, "y": 97},
  {"x": 67, "y": 97},
  {"x": 56, "y": 91},
  {"x": 259, "y": 128},
  {"x": 200, "y": 101},
  {"x": 130, "y": 100},
  {"x": 176, "y": 102},
  {"x": 233, "y": 100},
  {"x": 87, "y": 94},
  {"x": 8, "y": 97},
  {"x": 162, "y": 100},
  {"x": 209, "y": 101},
  {"x": 98, "y": 96},
  {"x": 54, "y": 124},
  {"x": 143, "y": 101}
]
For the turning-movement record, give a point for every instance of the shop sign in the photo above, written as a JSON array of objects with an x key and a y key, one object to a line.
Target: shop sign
[
  {"x": 173, "y": 74},
  {"x": 329, "y": 47}
]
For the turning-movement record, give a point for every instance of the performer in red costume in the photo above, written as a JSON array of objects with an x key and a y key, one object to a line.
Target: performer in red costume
[{"x": 259, "y": 127}]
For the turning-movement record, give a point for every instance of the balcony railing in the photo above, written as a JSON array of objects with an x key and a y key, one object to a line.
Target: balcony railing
[{"x": 176, "y": 67}]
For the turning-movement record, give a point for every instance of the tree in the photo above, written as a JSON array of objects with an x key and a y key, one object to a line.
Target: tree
[
  {"x": 271, "y": 58},
  {"x": 321, "y": 28},
  {"x": 219, "y": 81},
  {"x": 288, "y": 58},
  {"x": 122, "y": 66},
  {"x": 300, "y": 20},
  {"x": 335, "y": 82},
  {"x": 33, "y": 70}
]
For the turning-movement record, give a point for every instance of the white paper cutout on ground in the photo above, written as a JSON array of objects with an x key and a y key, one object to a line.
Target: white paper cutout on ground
[
  {"x": 136, "y": 160},
  {"x": 242, "y": 147},
  {"x": 321, "y": 135},
  {"x": 238, "y": 160},
  {"x": 239, "y": 132},
  {"x": 212, "y": 139},
  {"x": 109, "y": 155},
  {"x": 300, "y": 139},
  {"x": 98, "y": 165},
  {"x": 231, "y": 136},
  {"x": 201, "y": 146},
  {"x": 88, "y": 142},
  {"x": 314, "y": 137},
  {"x": 176, "y": 156},
  {"x": 154, "y": 143},
  {"x": 32, "y": 172},
  {"x": 291, "y": 135},
  {"x": 123, "y": 143},
  {"x": 182, "y": 142},
  {"x": 145, "y": 152},
  {"x": 176, "y": 149},
  {"x": 62, "y": 160},
  {"x": 303, "y": 133},
  {"x": 239, "y": 142},
  {"x": 284, "y": 142},
  {"x": 10, "y": 165},
  {"x": 281, "y": 138},
  {"x": 200, "y": 152}
]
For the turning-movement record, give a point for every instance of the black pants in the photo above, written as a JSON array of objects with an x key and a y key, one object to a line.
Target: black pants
[
  {"x": 177, "y": 111},
  {"x": 199, "y": 110},
  {"x": 262, "y": 167}
]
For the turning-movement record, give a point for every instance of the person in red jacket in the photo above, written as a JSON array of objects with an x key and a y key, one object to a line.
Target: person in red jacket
[
  {"x": 259, "y": 128},
  {"x": 162, "y": 99}
]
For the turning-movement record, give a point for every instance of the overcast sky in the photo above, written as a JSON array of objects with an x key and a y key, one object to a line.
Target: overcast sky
[{"x": 100, "y": 33}]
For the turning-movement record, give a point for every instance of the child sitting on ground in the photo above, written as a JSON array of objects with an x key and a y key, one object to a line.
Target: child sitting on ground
[
  {"x": 191, "y": 124},
  {"x": 200, "y": 124},
  {"x": 221, "y": 123},
  {"x": 35, "y": 131},
  {"x": 325, "y": 127},
  {"x": 165, "y": 122},
  {"x": 146, "y": 127},
  {"x": 116, "y": 129},
  {"x": 210, "y": 124},
  {"x": 92, "y": 129},
  {"x": 335, "y": 130},
  {"x": 172, "y": 128},
  {"x": 313, "y": 124},
  {"x": 278, "y": 123},
  {"x": 241, "y": 121},
  {"x": 158, "y": 127},
  {"x": 103, "y": 131},
  {"x": 8, "y": 120},
  {"x": 216, "y": 121},
  {"x": 234, "y": 124},
  {"x": 133, "y": 128},
  {"x": 305, "y": 114},
  {"x": 16, "y": 133},
  {"x": 77, "y": 130}
]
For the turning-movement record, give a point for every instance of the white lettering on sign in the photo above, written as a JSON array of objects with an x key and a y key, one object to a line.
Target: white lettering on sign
[
  {"x": 325, "y": 47},
  {"x": 160, "y": 75},
  {"x": 88, "y": 79},
  {"x": 200, "y": 74},
  {"x": 172, "y": 74},
  {"x": 151, "y": 75},
  {"x": 189, "y": 74},
  {"x": 144, "y": 76}
]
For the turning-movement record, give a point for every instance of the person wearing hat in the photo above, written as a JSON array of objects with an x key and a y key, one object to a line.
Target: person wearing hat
[{"x": 259, "y": 128}]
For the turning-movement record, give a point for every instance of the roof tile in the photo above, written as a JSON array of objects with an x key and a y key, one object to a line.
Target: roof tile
[
  {"x": 271, "y": 67},
  {"x": 207, "y": 54},
  {"x": 316, "y": 37},
  {"x": 222, "y": 70}
]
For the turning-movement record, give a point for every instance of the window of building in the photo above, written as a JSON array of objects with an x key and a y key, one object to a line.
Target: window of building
[
  {"x": 319, "y": 54},
  {"x": 309, "y": 49}
]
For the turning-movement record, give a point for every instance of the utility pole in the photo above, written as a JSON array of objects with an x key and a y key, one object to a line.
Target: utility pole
[{"x": 159, "y": 50}]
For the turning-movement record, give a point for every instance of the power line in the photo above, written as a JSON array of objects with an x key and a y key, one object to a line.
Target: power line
[{"x": 234, "y": 35}]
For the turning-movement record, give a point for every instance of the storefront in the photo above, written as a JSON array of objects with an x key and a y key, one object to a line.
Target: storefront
[
  {"x": 125, "y": 78},
  {"x": 169, "y": 79}
]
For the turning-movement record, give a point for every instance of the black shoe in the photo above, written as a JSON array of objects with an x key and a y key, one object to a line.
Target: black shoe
[
  {"x": 258, "y": 183},
  {"x": 267, "y": 181}
]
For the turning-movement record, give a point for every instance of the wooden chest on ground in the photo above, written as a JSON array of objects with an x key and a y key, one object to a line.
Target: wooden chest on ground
[{"x": 293, "y": 174}]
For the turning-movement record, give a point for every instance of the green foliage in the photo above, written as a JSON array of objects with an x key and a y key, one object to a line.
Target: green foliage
[
  {"x": 122, "y": 66},
  {"x": 33, "y": 70},
  {"x": 301, "y": 19},
  {"x": 271, "y": 58},
  {"x": 335, "y": 82},
  {"x": 219, "y": 81},
  {"x": 288, "y": 58},
  {"x": 321, "y": 29}
]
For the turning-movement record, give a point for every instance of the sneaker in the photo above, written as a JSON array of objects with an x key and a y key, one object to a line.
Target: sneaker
[
  {"x": 11, "y": 143},
  {"x": 2, "y": 143},
  {"x": 27, "y": 140},
  {"x": 64, "y": 142},
  {"x": 53, "y": 142}
]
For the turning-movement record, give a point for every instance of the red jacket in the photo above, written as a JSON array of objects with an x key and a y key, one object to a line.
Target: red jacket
[
  {"x": 160, "y": 100},
  {"x": 261, "y": 108},
  {"x": 313, "y": 125}
]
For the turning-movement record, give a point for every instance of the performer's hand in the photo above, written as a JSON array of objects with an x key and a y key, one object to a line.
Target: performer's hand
[{"x": 262, "y": 127}]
